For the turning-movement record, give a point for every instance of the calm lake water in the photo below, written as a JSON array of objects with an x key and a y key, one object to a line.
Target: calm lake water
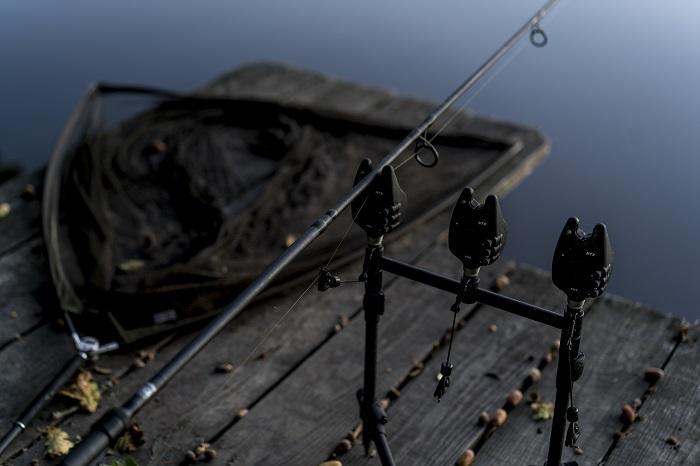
[{"x": 615, "y": 90}]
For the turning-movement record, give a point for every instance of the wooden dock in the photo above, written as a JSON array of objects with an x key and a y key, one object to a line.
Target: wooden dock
[{"x": 294, "y": 402}]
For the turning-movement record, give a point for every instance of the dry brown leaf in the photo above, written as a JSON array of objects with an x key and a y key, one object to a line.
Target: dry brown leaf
[
  {"x": 85, "y": 390},
  {"x": 58, "y": 442},
  {"x": 131, "y": 265}
]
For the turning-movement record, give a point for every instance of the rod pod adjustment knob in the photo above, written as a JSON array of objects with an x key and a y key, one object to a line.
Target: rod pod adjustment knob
[
  {"x": 582, "y": 262},
  {"x": 477, "y": 231},
  {"x": 379, "y": 209}
]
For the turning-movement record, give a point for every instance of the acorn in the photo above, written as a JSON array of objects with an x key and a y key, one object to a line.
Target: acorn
[
  {"x": 343, "y": 447},
  {"x": 201, "y": 448},
  {"x": 499, "y": 418},
  {"x": 502, "y": 281},
  {"x": 653, "y": 374},
  {"x": 484, "y": 418},
  {"x": 628, "y": 415},
  {"x": 209, "y": 455},
  {"x": 190, "y": 457},
  {"x": 224, "y": 368},
  {"x": 555, "y": 346},
  {"x": 514, "y": 399},
  {"x": 466, "y": 458}
]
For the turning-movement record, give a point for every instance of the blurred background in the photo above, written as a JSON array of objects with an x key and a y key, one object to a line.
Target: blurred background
[{"x": 615, "y": 91}]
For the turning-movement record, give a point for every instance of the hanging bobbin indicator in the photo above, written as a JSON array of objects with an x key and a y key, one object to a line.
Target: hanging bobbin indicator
[{"x": 477, "y": 236}]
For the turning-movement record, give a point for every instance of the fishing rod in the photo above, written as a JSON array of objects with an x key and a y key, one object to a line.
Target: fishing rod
[
  {"x": 112, "y": 425},
  {"x": 86, "y": 348}
]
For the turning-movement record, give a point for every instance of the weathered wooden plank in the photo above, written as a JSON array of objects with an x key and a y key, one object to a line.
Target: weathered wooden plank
[
  {"x": 252, "y": 383},
  {"x": 254, "y": 380},
  {"x": 23, "y": 222},
  {"x": 127, "y": 370},
  {"x": 24, "y": 291},
  {"x": 200, "y": 406},
  {"x": 309, "y": 412},
  {"x": 28, "y": 365},
  {"x": 299, "y": 87},
  {"x": 272, "y": 81},
  {"x": 487, "y": 367},
  {"x": 669, "y": 411},
  {"x": 620, "y": 340},
  {"x": 314, "y": 321},
  {"x": 341, "y": 96}
]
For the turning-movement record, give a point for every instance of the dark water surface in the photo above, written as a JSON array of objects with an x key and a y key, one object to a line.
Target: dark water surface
[{"x": 615, "y": 90}]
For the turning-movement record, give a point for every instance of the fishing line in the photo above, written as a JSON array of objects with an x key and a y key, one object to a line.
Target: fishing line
[
  {"x": 516, "y": 52},
  {"x": 306, "y": 290},
  {"x": 499, "y": 69},
  {"x": 497, "y": 72},
  {"x": 347, "y": 231},
  {"x": 116, "y": 420},
  {"x": 270, "y": 330}
]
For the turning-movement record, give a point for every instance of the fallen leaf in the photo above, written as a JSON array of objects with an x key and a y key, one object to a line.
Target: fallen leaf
[
  {"x": 58, "y": 442},
  {"x": 131, "y": 265},
  {"x": 85, "y": 390},
  {"x": 131, "y": 440},
  {"x": 542, "y": 411}
]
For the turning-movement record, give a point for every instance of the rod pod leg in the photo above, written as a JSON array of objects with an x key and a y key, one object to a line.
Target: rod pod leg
[
  {"x": 373, "y": 416},
  {"x": 566, "y": 375}
]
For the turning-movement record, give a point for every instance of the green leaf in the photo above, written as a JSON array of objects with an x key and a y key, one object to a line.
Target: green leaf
[{"x": 542, "y": 411}]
